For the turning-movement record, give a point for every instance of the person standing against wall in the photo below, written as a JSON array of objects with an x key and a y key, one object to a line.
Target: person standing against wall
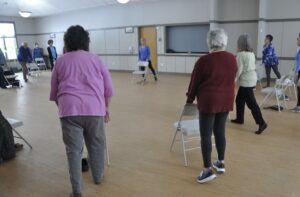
[
  {"x": 270, "y": 59},
  {"x": 297, "y": 76},
  {"x": 24, "y": 57},
  {"x": 37, "y": 52},
  {"x": 52, "y": 53},
  {"x": 247, "y": 79},
  {"x": 144, "y": 55}
]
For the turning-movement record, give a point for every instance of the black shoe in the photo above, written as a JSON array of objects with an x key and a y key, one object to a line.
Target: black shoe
[
  {"x": 85, "y": 165},
  {"x": 206, "y": 176},
  {"x": 155, "y": 78},
  {"x": 261, "y": 128},
  {"x": 219, "y": 166},
  {"x": 236, "y": 121}
]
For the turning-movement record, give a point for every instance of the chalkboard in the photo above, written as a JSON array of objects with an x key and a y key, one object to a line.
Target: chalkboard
[{"x": 186, "y": 39}]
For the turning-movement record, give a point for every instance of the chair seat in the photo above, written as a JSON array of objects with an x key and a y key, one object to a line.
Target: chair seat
[
  {"x": 271, "y": 89},
  {"x": 189, "y": 127},
  {"x": 15, "y": 123},
  {"x": 10, "y": 76},
  {"x": 139, "y": 72}
]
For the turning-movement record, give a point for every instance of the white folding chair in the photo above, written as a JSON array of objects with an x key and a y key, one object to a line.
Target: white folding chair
[
  {"x": 290, "y": 83},
  {"x": 33, "y": 69},
  {"x": 259, "y": 73},
  {"x": 188, "y": 127},
  {"x": 40, "y": 63},
  {"x": 141, "y": 70},
  {"x": 278, "y": 91},
  {"x": 15, "y": 124}
]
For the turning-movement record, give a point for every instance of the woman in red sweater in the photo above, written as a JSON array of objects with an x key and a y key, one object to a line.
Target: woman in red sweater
[{"x": 212, "y": 82}]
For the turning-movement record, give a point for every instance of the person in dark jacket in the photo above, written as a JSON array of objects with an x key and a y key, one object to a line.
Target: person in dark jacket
[
  {"x": 24, "y": 57},
  {"x": 212, "y": 82},
  {"x": 52, "y": 53}
]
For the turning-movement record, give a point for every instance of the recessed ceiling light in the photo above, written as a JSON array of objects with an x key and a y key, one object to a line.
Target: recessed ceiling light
[
  {"x": 123, "y": 1},
  {"x": 25, "y": 14}
]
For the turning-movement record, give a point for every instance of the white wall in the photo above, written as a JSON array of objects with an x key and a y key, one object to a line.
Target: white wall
[
  {"x": 139, "y": 14},
  {"x": 282, "y": 9},
  {"x": 237, "y": 10}
]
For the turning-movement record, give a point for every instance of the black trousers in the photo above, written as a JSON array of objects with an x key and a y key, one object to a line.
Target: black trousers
[
  {"x": 268, "y": 72},
  {"x": 2, "y": 79},
  {"x": 212, "y": 122},
  {"x": 151, "y": 68},
  {"x": 244, "y": 96},
  {"x": 51, "y": 63}
]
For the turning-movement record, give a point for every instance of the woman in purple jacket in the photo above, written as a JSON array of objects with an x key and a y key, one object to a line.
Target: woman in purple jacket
[{"x": 81, "y": 86}]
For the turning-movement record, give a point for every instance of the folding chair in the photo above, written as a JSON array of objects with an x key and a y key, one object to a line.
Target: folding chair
[
  {"x": 259, "y": 73},
  {"x": 188, "y": 129},
  {"x": 15, "y": 124},
  {"x": 33, "y": 69},
  {"x": 278, "y": 91},
  {"x": 10, "y": 78},
  {"x": 40, "y": 63},
  {"x": 141, "y": 69}
]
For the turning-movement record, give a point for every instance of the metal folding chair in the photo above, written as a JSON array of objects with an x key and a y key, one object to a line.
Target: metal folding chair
[
  {"x": 15, "y": 124},
  {"x": 141, "y": 70}
]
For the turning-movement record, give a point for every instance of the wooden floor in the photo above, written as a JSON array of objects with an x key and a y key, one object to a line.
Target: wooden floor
[{"x": 139, "y": 137}]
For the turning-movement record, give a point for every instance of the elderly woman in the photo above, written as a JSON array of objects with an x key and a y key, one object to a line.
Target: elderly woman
[
  {"x": 81, "y": 86},
  {"x": 247, "y": 79},
  {"x": 212, "y": 82},
  {"x": 24, "y": 57}
]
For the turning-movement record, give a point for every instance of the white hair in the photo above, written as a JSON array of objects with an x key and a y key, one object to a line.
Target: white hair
[{"x": 217, "y": 39}]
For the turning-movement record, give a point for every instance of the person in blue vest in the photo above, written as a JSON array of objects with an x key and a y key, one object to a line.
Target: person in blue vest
[
  {"x": 52, "y": 53},
  {"x": 24, "y": 57},
  {"x": 297, "y": 76},
  {"x": 144, "y": 55}
]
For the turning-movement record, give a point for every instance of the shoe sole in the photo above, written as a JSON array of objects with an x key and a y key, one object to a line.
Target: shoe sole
[
  {"x": 210, "y": 178},
  {"x": 219, "y": 170}
]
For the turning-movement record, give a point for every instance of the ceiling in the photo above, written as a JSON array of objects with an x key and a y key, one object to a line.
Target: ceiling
[{"x": 50, "y": 7}]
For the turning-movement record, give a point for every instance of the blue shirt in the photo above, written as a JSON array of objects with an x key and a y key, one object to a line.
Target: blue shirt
[
  {"x": 53, "y": 52},
  {"x": 144, "y": 53},
  {"x": 37, "y": 53},
  {"x": 269, "y": 57},
  {"x": 297, "y": 67},
  {"x": 24, "y": 55}
]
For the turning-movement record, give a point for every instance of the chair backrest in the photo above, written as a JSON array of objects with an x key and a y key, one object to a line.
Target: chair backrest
[
  {"x": 39, "y": 60},
  {"x": 190, "y": 110},
  {"x": 259, "y": 71},
  {"x": 143, "y": 64}
]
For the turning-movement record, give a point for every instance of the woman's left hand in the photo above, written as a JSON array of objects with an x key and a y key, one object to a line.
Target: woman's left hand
[{"x": 106, "y": 117}]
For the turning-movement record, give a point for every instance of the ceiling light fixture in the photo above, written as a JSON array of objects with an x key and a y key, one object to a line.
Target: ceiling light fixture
[
  {"x": 25, "y": 14},
  {"x": 123, "y": 1}
]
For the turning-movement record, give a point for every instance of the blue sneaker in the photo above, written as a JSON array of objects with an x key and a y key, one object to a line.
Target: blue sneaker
[
  {"x": 219, "y": 166},
  {"x": 206, "y": 176}
]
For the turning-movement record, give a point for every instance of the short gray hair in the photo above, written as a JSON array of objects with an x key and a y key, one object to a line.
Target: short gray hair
[
  {"x": 217, "y": 39},
  {"x": 244, "y": 43}
]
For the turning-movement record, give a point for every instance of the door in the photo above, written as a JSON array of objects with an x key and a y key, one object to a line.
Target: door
[{"x": 149, "y": 33}]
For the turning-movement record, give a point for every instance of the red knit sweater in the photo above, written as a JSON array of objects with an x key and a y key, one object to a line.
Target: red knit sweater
[{"x": 212, "y": 82}]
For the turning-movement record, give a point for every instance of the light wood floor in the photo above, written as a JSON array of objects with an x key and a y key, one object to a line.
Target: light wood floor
[{"x": 139, "y": 136}]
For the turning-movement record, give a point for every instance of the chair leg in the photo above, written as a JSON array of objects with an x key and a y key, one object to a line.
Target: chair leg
[
  {"x": 278, "y": 103},
  {"x": 175, "y": 134},
  {"x": 295, "y": 91},
  {"x": 183, "y": 150},
  {"x": 21, "y": 137}
]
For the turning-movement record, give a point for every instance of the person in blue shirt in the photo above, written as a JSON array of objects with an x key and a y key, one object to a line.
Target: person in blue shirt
[
  {"x": 297, "y": 75},
  {"x": 24, "y": 57},
  {"x": 270, "y": 59},
  {"x": 144, "y": 55},
  {"x": 52, "y": 53},
  {"x": 37, "y": 52}
]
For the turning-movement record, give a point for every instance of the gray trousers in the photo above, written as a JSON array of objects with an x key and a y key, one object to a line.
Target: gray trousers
[{"x": 90, "y": 129}]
